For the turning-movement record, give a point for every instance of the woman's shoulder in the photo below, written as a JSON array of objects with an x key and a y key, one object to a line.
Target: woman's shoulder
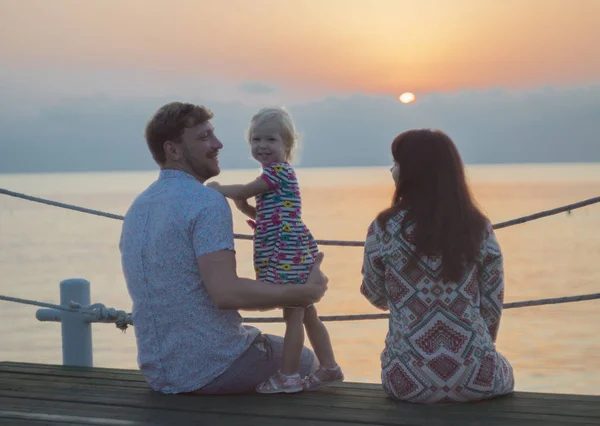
[
  {"x": 398, "y": 220},
  {"x": 489, "y": 241},
  {"x": 391, "y": 225}
]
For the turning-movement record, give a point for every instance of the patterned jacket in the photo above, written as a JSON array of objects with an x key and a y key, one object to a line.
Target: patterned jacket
[{"x": 441, "y": 341}]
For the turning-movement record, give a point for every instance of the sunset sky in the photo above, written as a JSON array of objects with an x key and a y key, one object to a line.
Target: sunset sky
[
  {"x": 297, "y": 47},
  {"x": 512, "y": 80}
]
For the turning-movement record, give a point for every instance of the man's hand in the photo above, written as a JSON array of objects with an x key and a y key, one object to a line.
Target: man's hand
[
  {"x": 316, "y": 282},
  {"x": 228, "y": 291}
]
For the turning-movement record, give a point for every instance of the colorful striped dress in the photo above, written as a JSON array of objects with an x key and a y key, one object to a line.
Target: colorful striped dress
[
  {"x": 284, "y": 248},
  {"x": 441, "y": 343}
]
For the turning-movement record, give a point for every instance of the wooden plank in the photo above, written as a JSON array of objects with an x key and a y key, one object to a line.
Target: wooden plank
[
  {"x": 68, "y": 371},
  {"x": 99, "y": 381},
  {"x": 9, "y": 421},
  {"x": 28, "y": 421},
  {"x": 33, "y": 365},
  {"x": 82, "y": 384},
  {"x": 504, "y": 403},
  {"x": 68, "y": 417},
  {"x": 350, "y": 402},
  {"x": 94, "y": 414},
  {"x": 288, "y": 407},
  {"x": 318, "y": 399},
  {"x": 134, "y": 376}
]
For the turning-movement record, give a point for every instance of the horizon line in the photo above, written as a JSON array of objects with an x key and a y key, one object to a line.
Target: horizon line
[{"x": 309, "y": 168}]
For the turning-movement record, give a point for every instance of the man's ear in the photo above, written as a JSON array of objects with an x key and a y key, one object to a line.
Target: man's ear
[{"x": 172, "y": 150}]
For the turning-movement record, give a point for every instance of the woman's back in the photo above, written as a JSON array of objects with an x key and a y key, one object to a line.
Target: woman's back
[{"x": 441, "y": 342}]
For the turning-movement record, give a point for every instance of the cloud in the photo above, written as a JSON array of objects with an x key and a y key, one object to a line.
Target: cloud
[
  {"x": 495, "y": 126},
  {"x": 256, "y": 88}
]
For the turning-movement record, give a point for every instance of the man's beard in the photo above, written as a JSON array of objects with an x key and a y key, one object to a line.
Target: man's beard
[{"x": 201, "y": 172}]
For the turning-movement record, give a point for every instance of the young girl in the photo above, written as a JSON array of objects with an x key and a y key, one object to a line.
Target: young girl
[{"x": 284, "y": 248}]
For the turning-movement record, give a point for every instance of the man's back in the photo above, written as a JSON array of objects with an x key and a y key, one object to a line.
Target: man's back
[{"x": 183, "y": 340}]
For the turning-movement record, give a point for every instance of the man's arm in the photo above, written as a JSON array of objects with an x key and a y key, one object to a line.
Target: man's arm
[
  {"x": 228, "y": 291},
  {"x": 212, "y": 235}
]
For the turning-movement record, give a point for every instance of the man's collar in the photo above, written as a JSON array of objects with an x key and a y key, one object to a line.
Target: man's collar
[{"x": 174, "y": 174}]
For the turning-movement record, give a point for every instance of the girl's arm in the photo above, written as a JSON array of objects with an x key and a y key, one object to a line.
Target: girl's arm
[
  {"x": 244, "y": 207},
  {"x": 241, "y": 191}
]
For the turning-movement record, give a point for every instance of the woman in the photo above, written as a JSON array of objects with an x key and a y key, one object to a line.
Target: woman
[{"x": 433, "y": 261}]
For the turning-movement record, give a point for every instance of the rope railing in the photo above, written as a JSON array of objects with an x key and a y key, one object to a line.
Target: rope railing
[
  {"x": 100, "y": 313},
  {"x": 511, "y": 305},
  {"x": 96, "y": 312},
  {"x": 342, "y": 243}
]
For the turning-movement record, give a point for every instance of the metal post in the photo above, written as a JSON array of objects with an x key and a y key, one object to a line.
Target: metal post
[{"x": 76, "y": 331}]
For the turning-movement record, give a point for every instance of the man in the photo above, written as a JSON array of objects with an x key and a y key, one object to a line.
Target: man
[{"x": 178, "y": 258}]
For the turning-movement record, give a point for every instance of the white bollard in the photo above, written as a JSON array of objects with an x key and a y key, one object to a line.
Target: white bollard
[{"x": 76, "y": 331}]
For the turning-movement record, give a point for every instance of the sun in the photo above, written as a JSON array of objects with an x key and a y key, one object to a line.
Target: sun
[{"x": 407, "y": 97}]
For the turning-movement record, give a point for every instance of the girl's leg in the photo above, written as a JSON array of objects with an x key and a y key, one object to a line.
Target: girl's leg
[
  {"x": 319, "y": 337},
  {"x": 329, "y": 372},
  {"x": 293, "y": 340},
  {"x": 287, "y": 379}
]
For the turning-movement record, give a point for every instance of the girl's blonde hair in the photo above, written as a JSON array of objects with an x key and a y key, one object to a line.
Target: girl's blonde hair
[{"x": 286, "y": 128}]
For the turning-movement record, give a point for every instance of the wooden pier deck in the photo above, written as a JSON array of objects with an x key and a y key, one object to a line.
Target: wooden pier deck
[{"x": 36, "y": 394}]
